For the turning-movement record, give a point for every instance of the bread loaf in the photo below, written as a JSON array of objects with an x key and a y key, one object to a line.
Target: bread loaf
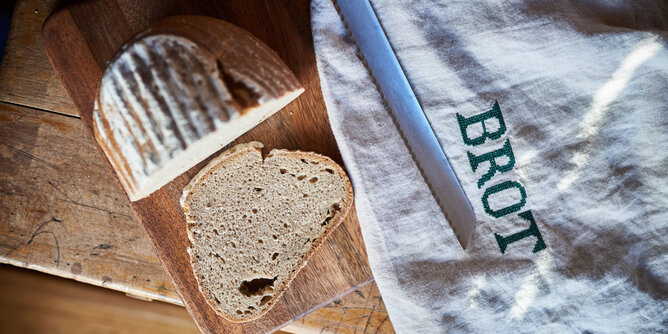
[
  {"x": 253, "y": 221},
  {"x": 179, "y": 92}
]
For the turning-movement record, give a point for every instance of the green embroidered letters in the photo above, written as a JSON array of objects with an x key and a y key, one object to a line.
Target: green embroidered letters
[
  {"x": 531, "y": 231},
  {"x": 465, "y": 122},
  {"x": 499, "y": 194},
  {"x": 491, "y": 157},
  {"x": 499, "y": 188}
]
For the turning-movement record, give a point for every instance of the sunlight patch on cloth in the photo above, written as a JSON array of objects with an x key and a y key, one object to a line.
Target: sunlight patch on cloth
[
  {"x": 591, "y": 124},
  {"x": 529, "y": 290}
]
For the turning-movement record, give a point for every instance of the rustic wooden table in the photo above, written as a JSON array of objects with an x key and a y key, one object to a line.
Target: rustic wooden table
[{"x": 62, "y": 213}]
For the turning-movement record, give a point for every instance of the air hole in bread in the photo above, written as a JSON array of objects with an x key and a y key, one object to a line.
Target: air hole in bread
[
  {"x": 257, "y": 286},
  {"x": 264, "y": 300},
  {"x": 301, "y": 177},
  {"x": 304, "y": 161},
  {"x": 260, "y": 241},
  {"x": 331, "y": 212},
  {"x": 274, "y": 236},
  {"x": 254, "y": 210},
  {"x": 273, "y": 257},
  {"x": 313, "y": 179},
  {"x": 329, "y": 170},
  {"x": 283, "y": 170},
  {"x": 257, "y": 189}
]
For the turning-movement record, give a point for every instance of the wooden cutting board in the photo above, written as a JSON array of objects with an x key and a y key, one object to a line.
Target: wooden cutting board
[{"x": 81, "y": 38}]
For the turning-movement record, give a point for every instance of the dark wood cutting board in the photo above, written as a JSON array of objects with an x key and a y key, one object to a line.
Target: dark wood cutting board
[{"x": 81, "y": 38}]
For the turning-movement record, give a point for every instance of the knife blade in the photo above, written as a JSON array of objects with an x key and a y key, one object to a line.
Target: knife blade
[{"x": 362, "y": 23}]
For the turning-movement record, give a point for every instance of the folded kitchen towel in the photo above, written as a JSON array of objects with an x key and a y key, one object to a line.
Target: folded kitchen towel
[{"x": 554, "y": 116}]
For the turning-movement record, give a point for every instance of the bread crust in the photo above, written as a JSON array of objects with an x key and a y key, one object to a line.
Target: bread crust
[
  {"x": 181, "y": 90},
  {"x": 336, "y": 220}
]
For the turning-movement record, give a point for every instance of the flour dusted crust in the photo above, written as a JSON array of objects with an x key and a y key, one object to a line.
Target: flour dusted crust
[
  {"x": 179, "y": 92},
  {"x": 254, "y": 221}
]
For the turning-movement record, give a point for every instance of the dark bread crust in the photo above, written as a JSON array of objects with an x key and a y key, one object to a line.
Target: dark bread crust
[{"x": 238, "y": 75}]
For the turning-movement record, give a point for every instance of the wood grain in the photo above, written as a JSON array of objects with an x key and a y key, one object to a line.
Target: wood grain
[
  {"x": 82, "y": 38},
  {"x": 61, "y": 211},
  {"x": 361, "y": 311},
  {"x": 31, "y": 302},
  {"x": 95, "y": 245},
  {"x": 26, "y": 76}
]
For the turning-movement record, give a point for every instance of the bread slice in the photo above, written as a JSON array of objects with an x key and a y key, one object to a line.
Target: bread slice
[
  {"x": 179, "y": 92},
  {"x": 253, "y": 221}
]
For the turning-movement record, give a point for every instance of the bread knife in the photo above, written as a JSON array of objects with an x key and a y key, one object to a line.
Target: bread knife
[{"x": 376, "y": 52}]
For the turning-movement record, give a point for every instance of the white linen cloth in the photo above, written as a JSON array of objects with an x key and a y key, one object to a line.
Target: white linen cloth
[{"x": 582, "y": 151}]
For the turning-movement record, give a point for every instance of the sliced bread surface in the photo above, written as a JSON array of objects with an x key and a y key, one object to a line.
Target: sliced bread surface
[{"x": 253, "y": 221}]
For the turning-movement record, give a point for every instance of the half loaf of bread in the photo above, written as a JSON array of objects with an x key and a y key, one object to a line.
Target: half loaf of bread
[
  {"x": 253, "y": 221},
  {"x": 180, "y": 91}
]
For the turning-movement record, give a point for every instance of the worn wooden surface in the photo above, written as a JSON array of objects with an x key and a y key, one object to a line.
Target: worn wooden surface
[
  {"x": 95, "y": 239},
  {"x": 111, "y": 248},
  {"x": 62, "y": 212},
  {"x": 26, "y": 76},
  {"x": 31, "y": 302},
  {"x": 361, "y": 311}
]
